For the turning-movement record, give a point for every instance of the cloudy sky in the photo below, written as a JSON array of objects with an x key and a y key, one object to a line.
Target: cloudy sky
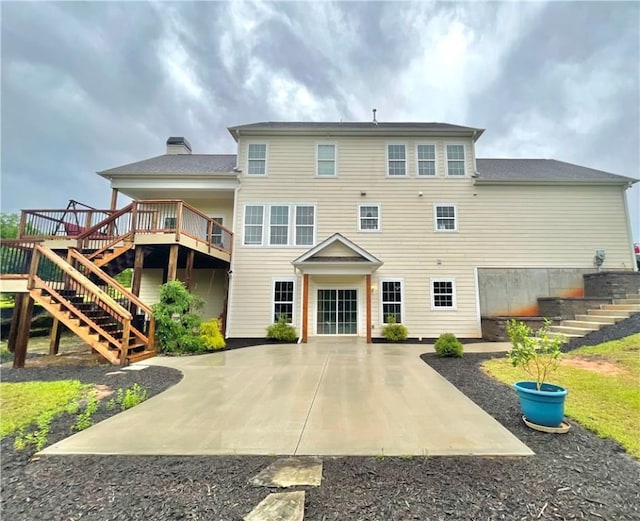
[{"x": 90, "y": 86}]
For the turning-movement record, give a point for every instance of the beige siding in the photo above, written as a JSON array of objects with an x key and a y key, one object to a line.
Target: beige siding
[
  {"x": 215, "y": 208},
  {"x": 150, "y": 286},
  {"x": 498, "y": 226}
]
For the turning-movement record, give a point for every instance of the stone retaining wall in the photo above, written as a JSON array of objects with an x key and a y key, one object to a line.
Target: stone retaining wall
[
  {"x": 494, "y": 328},
  {"x": 568, "y": 308},
  {"x": 611, "y": 284}
]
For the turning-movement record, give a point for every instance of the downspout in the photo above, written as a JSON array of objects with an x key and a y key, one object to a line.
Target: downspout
[
  {"x": 634, "y": 264},
  {"x": 473, "y": 151},
  {"x": 231, "y": 264},
  {"x": 295, "y": 271}
]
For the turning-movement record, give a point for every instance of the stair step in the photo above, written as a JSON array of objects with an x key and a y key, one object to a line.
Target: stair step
[
  {"x": 628, "y": 300},
  {"x": 582, "y": 324},
  {"x": 597, "y": 319},
  {"x": 567, "y": 330},
  {"x": 567, "y": 336},
  {"x": 143, "y": 355},
  {"x": 633, "y": 308},
  {"x": 620, "y": 315}
]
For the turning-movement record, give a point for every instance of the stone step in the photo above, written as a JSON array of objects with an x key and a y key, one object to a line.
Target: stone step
[
  {"x": 566, "y": 336},
  {"x": 582, "y": 324},
  {"x": 567, "y": 330},
  {"x": 632, "y": 308},
  {"x": 620, "y": 315},
  {"x": 628, "y": 300},
  {"x": 597, "y": 319}
]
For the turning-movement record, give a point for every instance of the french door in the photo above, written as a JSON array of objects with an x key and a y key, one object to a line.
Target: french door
[{"x": 337, "y": 312}]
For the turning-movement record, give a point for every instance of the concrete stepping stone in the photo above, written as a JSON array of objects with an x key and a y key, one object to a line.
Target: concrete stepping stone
[
  {"x": 290, "y": 472},
  {"x": 283, "y": 506}
]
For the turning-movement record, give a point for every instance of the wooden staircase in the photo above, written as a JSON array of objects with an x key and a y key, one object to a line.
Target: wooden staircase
[
  {"x": 104, "y": 314},
  {"x": 595, "y": 319}
]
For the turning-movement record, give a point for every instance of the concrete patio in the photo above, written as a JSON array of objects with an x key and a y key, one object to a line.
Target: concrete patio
[{"x": 333, "y": 396}]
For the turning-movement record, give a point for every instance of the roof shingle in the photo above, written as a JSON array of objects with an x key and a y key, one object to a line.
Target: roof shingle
[{"x": 172, "y": 164}]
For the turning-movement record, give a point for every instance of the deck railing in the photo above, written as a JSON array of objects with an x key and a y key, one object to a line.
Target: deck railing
[
  {"x": 15, "y": 257},
  {"x": 102, "y": 229}
]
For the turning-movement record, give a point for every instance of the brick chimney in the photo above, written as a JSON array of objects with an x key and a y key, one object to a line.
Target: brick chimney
[{"x": 178, "y": 145}]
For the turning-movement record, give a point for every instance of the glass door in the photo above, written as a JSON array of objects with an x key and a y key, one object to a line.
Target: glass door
[{"x": 337, "y": 312}]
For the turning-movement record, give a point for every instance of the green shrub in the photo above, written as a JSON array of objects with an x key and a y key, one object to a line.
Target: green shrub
[
  {"x": 127, "y": 398},
  {"x": 177, "y": 321},
  {"x": 211, "y": 335},
  {"x": 394, "y": 332},
  {"x": 84, "y": 420},
  {"x": 448, "y": 345},
  {"x": 282, "y": 331}
]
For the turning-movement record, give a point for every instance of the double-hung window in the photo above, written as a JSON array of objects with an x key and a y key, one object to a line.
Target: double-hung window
[
  {"x": 257, "y": 159},
  {"x": 392, "y": 300},
  {"x": 369, "y": 218},
  {"x": 397, "y": 160},
  {"x": 305, "y": 225},
  {"x": 443, "y": 294},
  {"x": 216, "y": 231},
  {"x": 445, "y": 218},
  {"x": 283, "y": 297},
  {"x": 455, "y": 160},
  {"x": 426, "y": 154},
  {"x": 326, "y": 162},
  {"x": 279, "y": 225},
  {"x": 253, "y": 223}
]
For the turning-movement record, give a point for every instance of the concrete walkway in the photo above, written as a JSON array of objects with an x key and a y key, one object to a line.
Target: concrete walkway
[{"x": 329, "y": 397}]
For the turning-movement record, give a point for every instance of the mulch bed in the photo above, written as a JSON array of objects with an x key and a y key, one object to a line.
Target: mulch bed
[{"x": 572, "y": 476}]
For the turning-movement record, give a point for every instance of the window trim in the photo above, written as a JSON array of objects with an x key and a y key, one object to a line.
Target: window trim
[
  {"x": 382, "y": 302},
  {"x": 369, "y": 230},
  {"x": 454, "y": 300},
  {"x": 335, "y": 160},
  {"x": 266, "y": 158},
  {"x": 244, "y": 225},
  {"x": 295, "y": 225},
  {"x": 288, "y": 225},
  {"x": 219, "y": 220},
  {"x": 406, "y": 159},
  {"x": 464, "y": 162},
  {"x": 435, "y": 160},
  {"x": 273, "y": 298},
  {"x": 435, "y": 217}
]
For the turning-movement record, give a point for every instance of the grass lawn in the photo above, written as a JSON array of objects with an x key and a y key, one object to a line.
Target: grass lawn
[
  {"x": 22, "y": 403},
  {"x": 604, "y": 388}
]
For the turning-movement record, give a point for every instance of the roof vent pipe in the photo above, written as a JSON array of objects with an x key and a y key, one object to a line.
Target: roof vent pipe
[
  {"x": 178, "y": 145},
  {"x": 374, "y": 116}
]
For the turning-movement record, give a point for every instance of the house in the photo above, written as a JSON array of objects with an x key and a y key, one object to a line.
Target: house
[{"x": 339, "y": 226}]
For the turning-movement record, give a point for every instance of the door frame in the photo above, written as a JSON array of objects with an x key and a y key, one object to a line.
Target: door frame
[{"x": 335, "y": 287}]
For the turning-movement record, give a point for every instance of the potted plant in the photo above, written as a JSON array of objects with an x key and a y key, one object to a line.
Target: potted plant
[{"x": 538, "y": 354}]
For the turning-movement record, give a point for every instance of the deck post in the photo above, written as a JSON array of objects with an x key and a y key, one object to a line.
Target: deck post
[
  {"x": 13, "y": 329},
  {"x": 368, "y": 292},
  {"x": 114, "y": 199},
  {"x": 54, "y": 340},
  {"x": 138, "y": 264},
  {"x": 305, "y": 307},
  {"x": 188, "y": 272},
  {"x": 24, "y": 327},
  {"x": 172, "y": 267}
]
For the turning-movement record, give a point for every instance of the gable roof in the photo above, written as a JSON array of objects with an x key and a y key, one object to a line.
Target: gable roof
[
  {"x": 357, "y": 257},
  {"x": 172, "y": 164},
  {"x": 369, "y": 127},
  {"x": 542, "y": 170}
]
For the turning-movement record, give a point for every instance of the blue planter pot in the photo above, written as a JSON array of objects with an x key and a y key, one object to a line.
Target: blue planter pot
[{"x": 543, "y": 407}]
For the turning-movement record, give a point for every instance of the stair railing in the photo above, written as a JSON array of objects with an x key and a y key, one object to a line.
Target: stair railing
[{"x": 108, "y": 232}]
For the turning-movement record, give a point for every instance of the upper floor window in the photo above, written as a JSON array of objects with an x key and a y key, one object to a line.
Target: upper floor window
[
  {"x": 369, "y": 218},
  {"x": 397, "y": 160},
  {"x": 326, "y": 166},
  {"x": 455, "y": 160},
  {"x": 257, "y": 159},
  {"x": 391, "y": 300},
  {"x": 445, "y": 218},
  {"x": 253, "y": 222},
  {"x": 286, "y": 225},
  {"x": 216, "y": 231},
  {"x": 426, "y": 155},
  {"x": 305, "y": 225},
  {"x": 443, "y": 294},
  {"x": 279, "y": 225}
]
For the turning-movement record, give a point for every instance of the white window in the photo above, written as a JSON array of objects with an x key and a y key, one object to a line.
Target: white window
[
  {"x": 455, "y": 160},
  {"x": 397, "y": 160},
  {"x": 426, "y": 154},
  {"x": 305, "y": 225},
  {"x": 279, "y": 225},
  {"x": 369, "y": 218},
  {"x": 257, "y": 159},
  {"x": 326, "y": 165},
  {"x": 443, "y": 294},
  {"x": 253, "y": 221},
  {"x": 283, "y": 295},
  {"x": 392, "y": 302},
  {"x": 445, "y": 218},
  {"x": 216, "y": 232}
]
